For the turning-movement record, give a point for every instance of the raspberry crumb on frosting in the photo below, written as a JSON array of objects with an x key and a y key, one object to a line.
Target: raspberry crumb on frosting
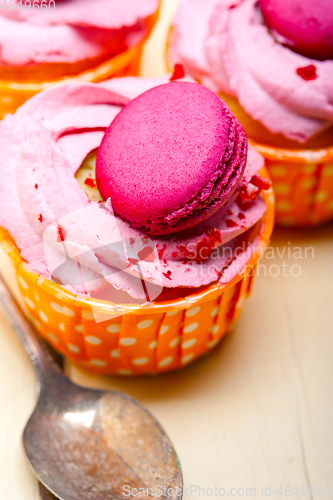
[
  {"x": 178, "y": 72},
  {"x": 61, "y": 234},
  {"x": 308, "y": 72}
]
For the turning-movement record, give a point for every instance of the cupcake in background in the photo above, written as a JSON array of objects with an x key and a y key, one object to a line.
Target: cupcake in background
[
  {"x": 137, "y": 260},
  {"x": 272, "y": 63},
  {"x": 46, "y": 42}
]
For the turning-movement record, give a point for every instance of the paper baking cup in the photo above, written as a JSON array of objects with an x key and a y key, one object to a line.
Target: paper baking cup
[
  {"x": 303, "y": 184},
  {"x": 154, "y": 338},
  {"x": 14, "y": 94}
]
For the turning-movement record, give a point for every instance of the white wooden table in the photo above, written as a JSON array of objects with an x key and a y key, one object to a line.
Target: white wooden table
[{"x": 257, "y": 412}]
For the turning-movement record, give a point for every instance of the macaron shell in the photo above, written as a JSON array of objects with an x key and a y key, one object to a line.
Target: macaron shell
[
  {"x": 164, "y": 152},
  {"x": 306, "y": 26}
]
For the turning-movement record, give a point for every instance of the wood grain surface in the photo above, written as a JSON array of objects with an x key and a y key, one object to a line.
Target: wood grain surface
[{"x": 256, "y": 413}]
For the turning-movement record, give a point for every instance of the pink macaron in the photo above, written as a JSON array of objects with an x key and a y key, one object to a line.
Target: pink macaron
[
  {"x": 171, "y": 158},
  {"x": 305, "y": 26}
]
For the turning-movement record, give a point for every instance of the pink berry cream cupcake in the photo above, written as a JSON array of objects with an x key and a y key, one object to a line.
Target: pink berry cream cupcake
[
  {"x": 134, "y": 213},
  {"x": 47, "y": 42},
  {"x": 272, "y": 62}
]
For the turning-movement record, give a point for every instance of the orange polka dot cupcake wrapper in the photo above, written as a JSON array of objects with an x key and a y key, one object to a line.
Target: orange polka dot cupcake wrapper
[
  {"x": 155, "y": 338},
  {"x": 303, "y": 184},
  {"x": 15, "y": 93}
]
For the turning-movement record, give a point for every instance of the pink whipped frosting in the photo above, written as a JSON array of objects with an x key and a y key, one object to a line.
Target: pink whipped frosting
[
  {"x": 43, "y": 145},
  {"x": 74, "y": 30},
  {"x": 226, "y": 45}
]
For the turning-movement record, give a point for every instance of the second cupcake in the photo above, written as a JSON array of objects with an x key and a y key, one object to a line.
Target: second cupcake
[{"x": 45, "y": 42}]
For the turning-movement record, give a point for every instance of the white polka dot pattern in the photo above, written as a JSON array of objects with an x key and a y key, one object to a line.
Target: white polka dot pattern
[
  {"x": 73, "y": 348},
  {"x": 124, "y": 371},
  {"x": 29, "y": 302},
  {"x": 144, "y": 324},
  {"x": 140, "y": 361},
  {"x": 53, "y": 337},
  {"x": 190, "y": 328},
  {"x": 128, "y": 341},
  {"x": 98, "y": 362},
  {"x": 186, "y": 359},
  {"x": 175, "y": 342},
  {"x": 93, "y": 340},
  {"x": 192, "y": 312},
  {"x": 43, "y": 316},
  {"x": 61, "y": 309},
  {"x": 302, "y": 188},
  {"x": 188, "y": 343},
  {"x": 165, "y": 362},
  {"x": 113, "y": 328},
  {"x": 22, "y": 283}
]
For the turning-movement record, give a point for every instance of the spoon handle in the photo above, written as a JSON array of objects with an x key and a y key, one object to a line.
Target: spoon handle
[
  {"x": 45, "y": 494},
  {"x": 41, "y": 359}
]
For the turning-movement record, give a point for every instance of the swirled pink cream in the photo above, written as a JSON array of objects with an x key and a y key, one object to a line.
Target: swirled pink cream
[
  {"x": 226, "y": 45},
  {"x": 55, "y": 224},
  {"x": 71, "y": 31}
]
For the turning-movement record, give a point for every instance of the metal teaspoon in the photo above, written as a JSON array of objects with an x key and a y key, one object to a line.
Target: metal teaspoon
[{"x": 85, "y": 444}]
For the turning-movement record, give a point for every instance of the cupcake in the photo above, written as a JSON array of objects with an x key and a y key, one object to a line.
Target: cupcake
[
  {"x": 134, "y": 213},
  {"x": 46, "y": 42},
  {"x": 271, "y": 62}
]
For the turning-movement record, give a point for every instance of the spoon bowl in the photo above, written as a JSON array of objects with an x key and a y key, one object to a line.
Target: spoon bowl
[{"x": 85, "y": 444}]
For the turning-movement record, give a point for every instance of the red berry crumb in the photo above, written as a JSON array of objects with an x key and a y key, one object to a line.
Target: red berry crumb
[
  {"x": 36, "y": 186},
  {"x": 178, "y": 73},
  {"x": 90, "y": 182},
  {"x": 307, "y": 73},
  {"x": 146, "y": 253},
  {"x": 241, "y": 216},
  {"x": 40, "y": 218},
  {"x": 161, "y": 251},
  {"x": 167, "y": 275},
  {"x": 61, "y": 234},
  {"x": 231, "y": 223},
  {"x": 260, "y": 182}
]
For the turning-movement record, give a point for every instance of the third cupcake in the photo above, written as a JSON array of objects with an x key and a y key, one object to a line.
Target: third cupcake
[{"x": 271, "y": 61}]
